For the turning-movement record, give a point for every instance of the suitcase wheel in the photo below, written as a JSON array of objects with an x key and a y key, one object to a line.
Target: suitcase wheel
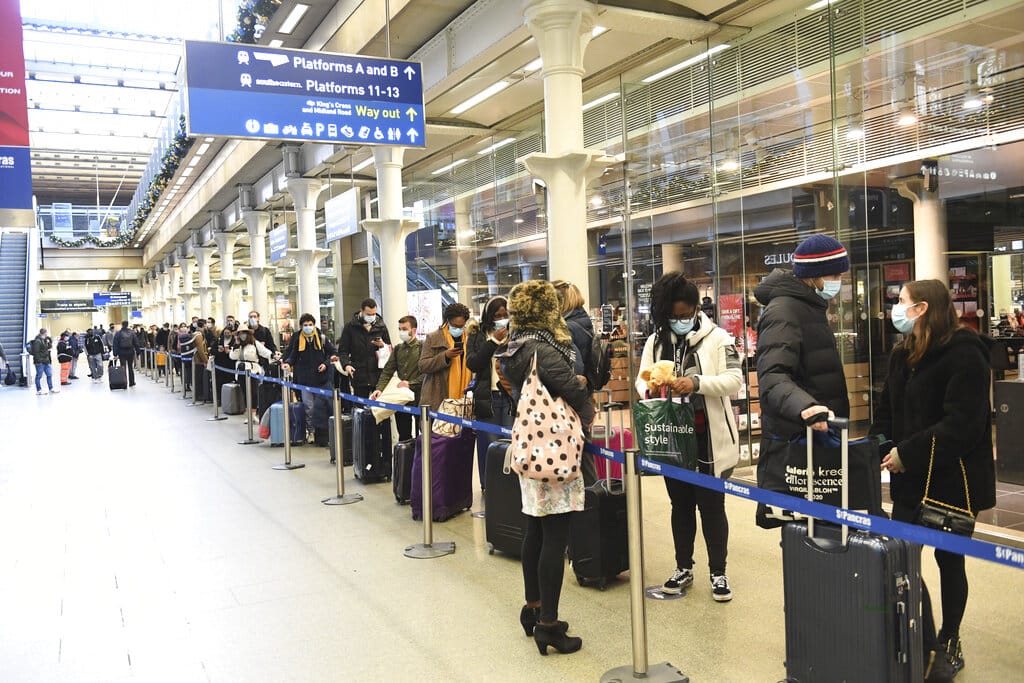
[{"x": 490, "y": 549}]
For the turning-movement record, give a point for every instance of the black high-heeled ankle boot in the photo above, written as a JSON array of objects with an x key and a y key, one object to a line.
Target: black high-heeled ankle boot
[
  {"x": 556, "y": 637},
  {"x": 528, "y": 618}
]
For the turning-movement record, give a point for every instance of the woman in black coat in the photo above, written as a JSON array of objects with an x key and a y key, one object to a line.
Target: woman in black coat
[
  {"x": 799, "y": 371},
  {"x": 492, "y": 400},
  {"x": 935, "y": 409}
]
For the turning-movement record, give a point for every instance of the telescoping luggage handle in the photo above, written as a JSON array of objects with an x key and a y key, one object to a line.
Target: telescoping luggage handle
[
  {"x": 609, "y": 406},
  {"x": 843, "y": 425}
]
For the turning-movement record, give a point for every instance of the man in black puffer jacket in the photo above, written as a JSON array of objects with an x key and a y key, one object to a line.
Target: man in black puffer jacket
[{"x": 799, "y": 372}]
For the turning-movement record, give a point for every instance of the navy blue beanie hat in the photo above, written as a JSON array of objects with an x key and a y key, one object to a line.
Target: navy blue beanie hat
[{"x": 818, "y": 256}]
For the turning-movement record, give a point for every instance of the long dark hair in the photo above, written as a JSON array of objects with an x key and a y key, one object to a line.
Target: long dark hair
[
  {"x": 940, "y": 320},
  {"x": 669, "y": 289},
  {"x": 490, "y": 310}
]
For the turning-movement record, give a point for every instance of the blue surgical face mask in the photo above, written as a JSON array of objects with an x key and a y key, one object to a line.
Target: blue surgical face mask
[
  {"x": 307, "y": 329},
  {"x": 900, "y": 320},
  {"x": 501, "y": 324},
  {"x": 832, "y": 288},
  {"x": 681, "y": 328},
  {"x": 456, "y": 332}
]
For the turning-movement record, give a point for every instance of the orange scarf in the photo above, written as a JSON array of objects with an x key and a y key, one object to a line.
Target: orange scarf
[{"x": 459, "y": 376}]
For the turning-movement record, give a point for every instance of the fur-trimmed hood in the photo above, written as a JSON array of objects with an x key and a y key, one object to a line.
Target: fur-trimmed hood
[{"x": 533, "y": 305}]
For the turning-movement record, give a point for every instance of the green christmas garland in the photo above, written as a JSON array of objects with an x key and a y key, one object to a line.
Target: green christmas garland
[
  {"x": 169, "y": 164},
  {"x": 253, "y": 17}
]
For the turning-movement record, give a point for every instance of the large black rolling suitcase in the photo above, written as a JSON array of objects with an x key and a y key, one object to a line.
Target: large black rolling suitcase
[
  {"x": 505, "y": 522},
  {"x": 598, "y": 540},
  {"x": 346, "y": 438},
  {"x": 117, "y": 375},
  {"x": 371, "y": 452},
  {"x": 401, "y": 470},
  {"x": 853, "y": 600}
]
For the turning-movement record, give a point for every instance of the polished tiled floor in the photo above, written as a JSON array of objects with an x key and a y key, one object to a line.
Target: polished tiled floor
[{"x": 140, "y": 542}]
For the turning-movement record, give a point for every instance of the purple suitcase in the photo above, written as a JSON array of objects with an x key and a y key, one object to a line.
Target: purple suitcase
[{"x": 451, "y": 468}]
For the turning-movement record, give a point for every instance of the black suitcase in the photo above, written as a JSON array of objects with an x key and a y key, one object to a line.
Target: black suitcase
[
  {"x": 598, "y": 545},
  {"x": 346, "y": 437},
  {"x": 267, "y": 395},
  {"x": 853, "y": 604},
  {"x": 401, "y": 469},
  {"x": 505, "y": 522},
  {"x": 117, "y": 376},
  {"x": 371, "y": 453}
]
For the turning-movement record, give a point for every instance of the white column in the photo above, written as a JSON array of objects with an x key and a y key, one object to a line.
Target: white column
[
  {"x": 672, "y": 257},
  {"x": 491, "y": 273},
  {"x": 304, "y": 192},
  {"x": 187, "y": 293},
  {"x": 391, "y": 230},
  {"x": 204, "y": 256},
  {"x": 464, "y": 248},
  {"x": 176, "y": 300},
  {"x": 931, "y": 241},
  {"x": 228, "y": 283},
  {"x": 256, "y": 223},
  {"x": 562, "y": 29},
  {"x": 158, "y": 299}
]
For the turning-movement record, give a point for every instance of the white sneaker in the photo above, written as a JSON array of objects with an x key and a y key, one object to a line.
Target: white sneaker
[{"x": 41, "y": 392}]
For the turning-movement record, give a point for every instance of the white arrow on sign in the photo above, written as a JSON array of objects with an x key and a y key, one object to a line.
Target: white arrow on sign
[
  {"x": 410, "y": 72},
  {"x": 413, "y": 134},
  {"x": 411, "y": 113},
  {"x": 274, "y": 59}
]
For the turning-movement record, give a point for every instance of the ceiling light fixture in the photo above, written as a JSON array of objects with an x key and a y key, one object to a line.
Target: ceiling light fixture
[
  {"x": 598, "y": 30},
  {"x": 293, "y": 18},
  {"x": 907, "y": 116},
  {"x": 600, "y": 100},
  {"x": 534, "y": 65},
  {"x": 729, "y": 165},
  {"x": 689, "y": 62},
  {"x": 202, "y": 149},
  {"x": 821, "y": 4},
  {"x": 518, "y": 220},
  {"x": 855, "y": 126},
  {"x": 276, "y": 42},
  {"x": 362, "y": 164},
  {"x": 484, "y": 94},
  {"x": 972, "y": 100},
  {"x": 496, "y": 146},
  {"x": 445, "y": 169}
]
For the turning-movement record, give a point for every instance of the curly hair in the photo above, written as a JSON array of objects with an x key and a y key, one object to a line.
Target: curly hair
[
  {"x": 669, "y": 289},
  {"x": 456, "y": 310}
]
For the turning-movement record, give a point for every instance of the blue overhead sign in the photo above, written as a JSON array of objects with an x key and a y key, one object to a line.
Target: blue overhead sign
[
  {"x": 251, "y": 91},
  {"x": 278, "y": 242},
  {"x": 341, "y": 215},
  {"x": 112, "y": 299}
]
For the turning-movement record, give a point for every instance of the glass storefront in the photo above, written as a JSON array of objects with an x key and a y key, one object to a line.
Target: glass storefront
[{"x": 880, "y": 123}]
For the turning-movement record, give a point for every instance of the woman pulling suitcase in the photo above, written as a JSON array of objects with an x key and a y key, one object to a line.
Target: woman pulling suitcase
[
  {"x": 538, "y": 331},
  {"x": 935, "y": 409}
]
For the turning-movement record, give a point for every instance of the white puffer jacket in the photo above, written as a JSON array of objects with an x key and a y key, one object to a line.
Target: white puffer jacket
[{"x": 250, "y": 356}]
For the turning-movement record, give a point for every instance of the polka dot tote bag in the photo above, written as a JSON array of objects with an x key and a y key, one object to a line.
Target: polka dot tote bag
[{"x": 547, "y": 436}]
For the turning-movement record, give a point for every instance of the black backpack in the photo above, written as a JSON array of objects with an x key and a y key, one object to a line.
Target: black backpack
[
  {"x": 598, "y": 370},
  {"x": 10, "y": 379}
]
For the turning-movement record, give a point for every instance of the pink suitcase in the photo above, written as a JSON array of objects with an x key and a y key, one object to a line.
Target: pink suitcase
[{"x": 619, "y": 439}]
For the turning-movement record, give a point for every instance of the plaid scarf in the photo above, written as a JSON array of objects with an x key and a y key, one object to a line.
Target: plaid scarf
[{"x": 567, "y": 350}]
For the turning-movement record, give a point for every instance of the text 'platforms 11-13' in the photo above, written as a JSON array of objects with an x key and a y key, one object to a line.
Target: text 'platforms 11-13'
[{"x": 249, "y": 91}]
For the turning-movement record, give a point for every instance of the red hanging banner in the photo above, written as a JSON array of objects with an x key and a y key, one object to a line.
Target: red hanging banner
[{"x": 15, "y": 163}]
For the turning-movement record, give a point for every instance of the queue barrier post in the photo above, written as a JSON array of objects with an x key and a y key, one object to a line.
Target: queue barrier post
[
  {"x": 427, "y": 550},
  {"x": 168, "y": 367},
  {"x": 195, "y": 383},
  {"x": 151, "y": 359},
  {"x": 341, "y": 498},
  {"x": 184, "y": 387},
  {"x": 249, "y": 441},
  {"x": 171, "y": 371},
  {"x": 286, "y": 398},
  {"x": 662, "y": 672},
  {"x": 155, "y": 374},
  {"x": 217, "y": 417}
]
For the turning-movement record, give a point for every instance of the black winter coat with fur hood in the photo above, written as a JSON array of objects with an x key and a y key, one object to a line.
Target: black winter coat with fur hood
[
  {"x": 946, "y": 397},
  {"x": 554, "y": 370}
]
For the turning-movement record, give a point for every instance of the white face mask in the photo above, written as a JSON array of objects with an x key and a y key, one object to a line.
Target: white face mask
[
  {"x": 404, "y": 335},
  {"x": 501, "y": 324},
  {"x": 370, "y": 319}
]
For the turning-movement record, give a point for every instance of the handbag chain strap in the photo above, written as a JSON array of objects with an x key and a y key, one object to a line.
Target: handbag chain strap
[{"x": 928, "y": 484}]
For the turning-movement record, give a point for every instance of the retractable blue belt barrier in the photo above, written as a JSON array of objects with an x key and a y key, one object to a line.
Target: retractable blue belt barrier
[{"x": 960, "y": 545}]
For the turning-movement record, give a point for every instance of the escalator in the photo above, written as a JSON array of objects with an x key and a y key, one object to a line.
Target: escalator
[
  {"x": 420, "y": 275},
  {"x": 13, "y": 274}
]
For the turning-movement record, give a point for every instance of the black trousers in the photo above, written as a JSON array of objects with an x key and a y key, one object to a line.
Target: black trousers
[
  {"x": 686, "y": 499},
  {"x": 407, "y": 423},
  {"x": 128, "y": 360},
  {"x": 953, "y": 590},
  {"x": 544, "y": 546}
]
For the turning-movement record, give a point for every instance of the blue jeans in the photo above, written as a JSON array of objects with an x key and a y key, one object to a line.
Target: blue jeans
[
  {"x": 501, "y": 406},
  {"x": 44, "y": 368}
]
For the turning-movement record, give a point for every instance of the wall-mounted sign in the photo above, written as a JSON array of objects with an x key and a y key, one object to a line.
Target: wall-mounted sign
[
  {"x": 278, "y": 243},
  {"x": 281, "y": 94},
  {"x": 67, "y": 306},
  {"x": 341, "y": 215},
  {"x": 15, "y": 166}
]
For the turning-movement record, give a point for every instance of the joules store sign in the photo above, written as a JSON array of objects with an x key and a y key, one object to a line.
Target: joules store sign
[{"x": 15, "y": 168}]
